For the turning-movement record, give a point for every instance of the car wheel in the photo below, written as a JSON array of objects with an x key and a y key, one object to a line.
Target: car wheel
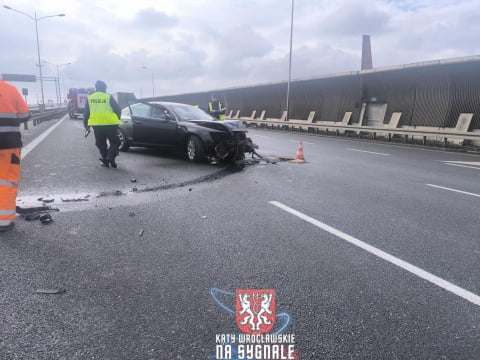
[
  {"x": 195, "y": 150},
  {"x": 124, "y": 144}
]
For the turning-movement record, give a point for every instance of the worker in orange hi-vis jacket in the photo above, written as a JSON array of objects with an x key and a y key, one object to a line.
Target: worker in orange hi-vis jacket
[{"x": 13, "y": 111}]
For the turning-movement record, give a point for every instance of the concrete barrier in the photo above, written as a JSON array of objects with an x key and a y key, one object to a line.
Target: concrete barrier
[{"x": 455, "y": 135}]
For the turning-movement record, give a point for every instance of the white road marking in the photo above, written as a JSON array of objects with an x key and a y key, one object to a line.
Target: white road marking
[
  {"x": 32, "y": 145},
  {"x": 454, "y": 190},
  {"x": 464, "y": 166},
  {"x": 262, "y": 136},
  {"x": 369, "y": 152},
  {"x": 465, "y": 294},
  {"x": 473, "y": 163}
]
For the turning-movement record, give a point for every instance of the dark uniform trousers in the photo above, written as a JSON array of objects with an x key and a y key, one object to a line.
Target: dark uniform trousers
[{"x": 102, "y": 133}]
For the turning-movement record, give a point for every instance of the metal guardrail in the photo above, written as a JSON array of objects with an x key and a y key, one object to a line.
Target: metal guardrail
[
  {"x": 40, "y": 117},
  {"x": 443, "y": 134}
]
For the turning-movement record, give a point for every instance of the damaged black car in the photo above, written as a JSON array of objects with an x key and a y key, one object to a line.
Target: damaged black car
[{"x": 186, "y": 127}]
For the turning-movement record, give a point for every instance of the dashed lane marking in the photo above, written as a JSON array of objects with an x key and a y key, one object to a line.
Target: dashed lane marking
[
  {"x": 454, "y": 190},
  {"x": 33, "y": 144},
  {"x": 465, "y": 294},
  {"x": 369, "y": 152}
]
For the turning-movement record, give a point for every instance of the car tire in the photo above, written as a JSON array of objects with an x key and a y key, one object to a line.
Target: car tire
[
  {"x": 124, "y": 144},
  {"x": 195, "y": 149}
]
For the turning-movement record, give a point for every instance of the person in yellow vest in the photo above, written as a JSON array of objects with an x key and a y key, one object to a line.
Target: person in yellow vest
[
  {"x": 216, "y": 108},
  {"x": 13, "y": 110},
  {"x": 102, "y": 113}
]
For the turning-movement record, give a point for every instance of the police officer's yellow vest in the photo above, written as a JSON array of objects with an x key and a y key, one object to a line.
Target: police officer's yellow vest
[
  {"x": 210, "y": 107},
  {"x": 101, "y": 113}
]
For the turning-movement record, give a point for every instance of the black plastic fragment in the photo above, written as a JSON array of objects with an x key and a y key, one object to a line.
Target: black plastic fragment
[{"x": 46, "y": 218}]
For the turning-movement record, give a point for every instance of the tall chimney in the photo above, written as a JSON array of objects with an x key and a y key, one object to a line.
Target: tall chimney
[{"x": 366, "y": 53}]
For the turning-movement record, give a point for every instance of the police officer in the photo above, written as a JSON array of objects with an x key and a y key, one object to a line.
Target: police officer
[
  {"x": 102, "y": 113},
  {"x": 215, "y": 108},
  {"x": 13, "y": 110}
]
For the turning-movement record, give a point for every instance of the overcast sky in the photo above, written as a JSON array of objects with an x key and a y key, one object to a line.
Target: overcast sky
[{"x": 205, "y": 45}]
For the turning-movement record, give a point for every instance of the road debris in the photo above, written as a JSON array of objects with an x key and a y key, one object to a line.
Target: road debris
[
  {"x": 41, "y": 213},
  {"x": 204, "y": 217},
  {"x": 131, "y": 213},
  {"x": 45, "y": 200},
  {"x": 51, "y": 291},
  {"x": 46, "y": 218},
  {"x": 133, "y": 180},
  {"x": 110, "y": 193},
  {"x": 23, "y": 211},
  {"x": 33, "y": 216},
  {"x": 85, "y": 198},
  {"x": 141, "y": 232}
]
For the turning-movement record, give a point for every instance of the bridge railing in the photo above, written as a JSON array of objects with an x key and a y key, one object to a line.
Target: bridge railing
[{"x": 40, "y": 117}]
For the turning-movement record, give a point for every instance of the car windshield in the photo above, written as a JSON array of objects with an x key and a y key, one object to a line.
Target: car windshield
[{"x": 188, "y": 112}]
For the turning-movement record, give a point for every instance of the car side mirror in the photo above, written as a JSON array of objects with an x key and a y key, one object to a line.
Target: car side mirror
[{"x": 167, "y": 116}]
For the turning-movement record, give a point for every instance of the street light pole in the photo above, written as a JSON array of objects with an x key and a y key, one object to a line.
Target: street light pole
[
  {"x": 59, "y": 95},
  {"x": 58, "y": 77},
  {"x": 36, "y": 19},
  {"x": 290, "y": 65},
  {"x": 153, "y": 81},
  {"x": 39, "y": 61}
]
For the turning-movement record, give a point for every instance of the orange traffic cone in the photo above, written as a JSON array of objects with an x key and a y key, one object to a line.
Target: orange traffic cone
[{"x": 299, "y": 158}]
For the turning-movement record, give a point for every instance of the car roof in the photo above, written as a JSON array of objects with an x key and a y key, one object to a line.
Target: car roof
[{"x": 167, "y": 103}]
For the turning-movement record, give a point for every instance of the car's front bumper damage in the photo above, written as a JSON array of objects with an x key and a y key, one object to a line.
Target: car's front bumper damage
[{"x": 232, "y": 148}]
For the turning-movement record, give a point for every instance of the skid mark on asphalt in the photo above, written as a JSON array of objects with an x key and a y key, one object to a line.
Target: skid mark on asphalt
[
  {"x": 454, "y": 190},
  {"x": 113, "y": 198},
  {"x": 465, "y": 294}
]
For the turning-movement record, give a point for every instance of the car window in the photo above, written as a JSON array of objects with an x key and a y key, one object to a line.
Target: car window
[
  {"x": 125, "y": 112},
  {"x": 187, "y": 112},
  {"x": 142, "y": 110},
  {"x": 159, "y": 112}
]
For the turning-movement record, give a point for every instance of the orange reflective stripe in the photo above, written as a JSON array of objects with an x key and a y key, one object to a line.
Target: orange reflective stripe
[
  {"x": 9, "y": 129},
  {"x": 13, "y": 115},
  {"x": 8, "y": 203}
]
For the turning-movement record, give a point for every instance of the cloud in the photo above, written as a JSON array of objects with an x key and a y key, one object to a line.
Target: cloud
[
  {"x": 152, "y": 20},
  {"x": 203, "y": 45}
]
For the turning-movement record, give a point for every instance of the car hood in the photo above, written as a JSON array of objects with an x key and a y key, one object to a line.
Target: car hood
[{"x": 229, "y": 125}]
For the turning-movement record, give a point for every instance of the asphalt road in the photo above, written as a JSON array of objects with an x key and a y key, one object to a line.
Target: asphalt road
[{"x": 373, "y": 250}]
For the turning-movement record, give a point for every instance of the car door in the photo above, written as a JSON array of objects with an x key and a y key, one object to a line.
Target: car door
[{"x": 153, "y": 124}]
